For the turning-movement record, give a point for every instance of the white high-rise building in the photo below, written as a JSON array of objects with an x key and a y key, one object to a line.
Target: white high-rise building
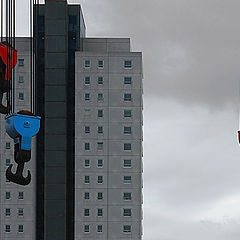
[{"x": 108, "y": 130}]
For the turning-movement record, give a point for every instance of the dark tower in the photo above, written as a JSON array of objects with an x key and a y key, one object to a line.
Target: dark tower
[
  {"x": 59, "y": 37},
  {"x": 55, "y": 159}
]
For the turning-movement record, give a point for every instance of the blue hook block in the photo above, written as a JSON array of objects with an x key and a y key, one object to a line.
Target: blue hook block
[{"x": 22, "y": 125}]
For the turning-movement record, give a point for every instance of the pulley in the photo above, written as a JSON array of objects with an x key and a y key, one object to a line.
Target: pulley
[
  {"x": 8, "y": 60},
  {"x": 21, "y": 127}
]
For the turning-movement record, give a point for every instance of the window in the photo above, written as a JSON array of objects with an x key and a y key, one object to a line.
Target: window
[
  {"x": 86, "y": 228},
  {"x": 127, "y": 64},
  {"x": 100, "y": 80},
  {"x": 87, "y": 96},
  {"x": 100, "y": 97},
  {"x": 7, "y": 228},
  {"x": 127, "y": 146},
  {"x": 127, "y": 113},
  {"x": 100, "y": 179},
  {"x": 8, "y": 145},
  {"x": 127, "y": 179},
  {"x": 127, "y": 212},
  {"x": 86, "y": 163},
  {"x": 21, "y": 96},
  {"x": 100, "y": 163},
  {"x": 127, "y": 163},
  {"x": 8, "y": 195},
  {"x": 127, "y": 97},
  {"x": 7, "y": 212},
  {"x": 86, "y": 195},
  {"x": 87, "y": 129},
  {"x": 20, "y": 228},
  {"x": 8, "y": 162},
  {"x": 127, "y": 130},
  {"x": 20, "y": 195},
  {"x": 99, "y": 228},
  {"x": 126, "y": 228},
  {"x": 100, "y": 64},
  {"x": 86, "y": 212},
  {"x": 100, "y": 212},
  {"x": 100, "y": 129},
  {"x": 127, "y": 196},
  {"x": 100, "y": 113},
  {"x": 127, "y": 80},
  {"x": 87, "y": 179},
  {"x": 87, "y": 113},
  {"x": 87, "y": 80},
  {"x": 21, "y": 79},
  {"x": 20, "y": 62},
  {"x": 87, "y": 146},
  {"x": 100, "y": 196},
  {"x": 100, "y": 146},
  {"x": 20, "y": 212},
  {"x": 87, "y": 63}
]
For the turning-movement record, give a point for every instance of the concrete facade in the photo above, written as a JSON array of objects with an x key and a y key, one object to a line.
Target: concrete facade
[{"x": 105, "y": 134}]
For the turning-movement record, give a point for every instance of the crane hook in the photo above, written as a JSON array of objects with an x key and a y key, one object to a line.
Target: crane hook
[{"x": 20, "y": 157}]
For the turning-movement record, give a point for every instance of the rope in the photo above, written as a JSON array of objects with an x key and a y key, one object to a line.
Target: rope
[
  {"x": 7, "y": 40},
  {"x": 1, "y": 20},
  {"x": 36, "y": 25},
  {"x": 31, "y": 55},
  {"x": 239, "y": 104},
  {"x": 10, "y": 44},
  {"x": 14, "y": 47},
  {"x": 10, "y": 38}
]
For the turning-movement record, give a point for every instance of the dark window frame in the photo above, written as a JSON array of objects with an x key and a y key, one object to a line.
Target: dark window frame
[{"x": 128, "y": 64}]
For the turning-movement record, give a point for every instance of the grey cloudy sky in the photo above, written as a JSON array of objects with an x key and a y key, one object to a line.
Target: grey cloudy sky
[{"x": 191, "y": 52}]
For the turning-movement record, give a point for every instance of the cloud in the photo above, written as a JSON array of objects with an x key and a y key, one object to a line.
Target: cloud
[
  {"x": 191, "y": 48},
  {"x": 191, "y": 172}
]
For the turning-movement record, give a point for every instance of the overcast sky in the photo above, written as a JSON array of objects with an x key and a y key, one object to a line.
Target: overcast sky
[{"x": 191, "y": 51}]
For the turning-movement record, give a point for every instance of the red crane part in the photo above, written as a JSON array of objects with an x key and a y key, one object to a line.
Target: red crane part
[{"x": 9, "y": 57}]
